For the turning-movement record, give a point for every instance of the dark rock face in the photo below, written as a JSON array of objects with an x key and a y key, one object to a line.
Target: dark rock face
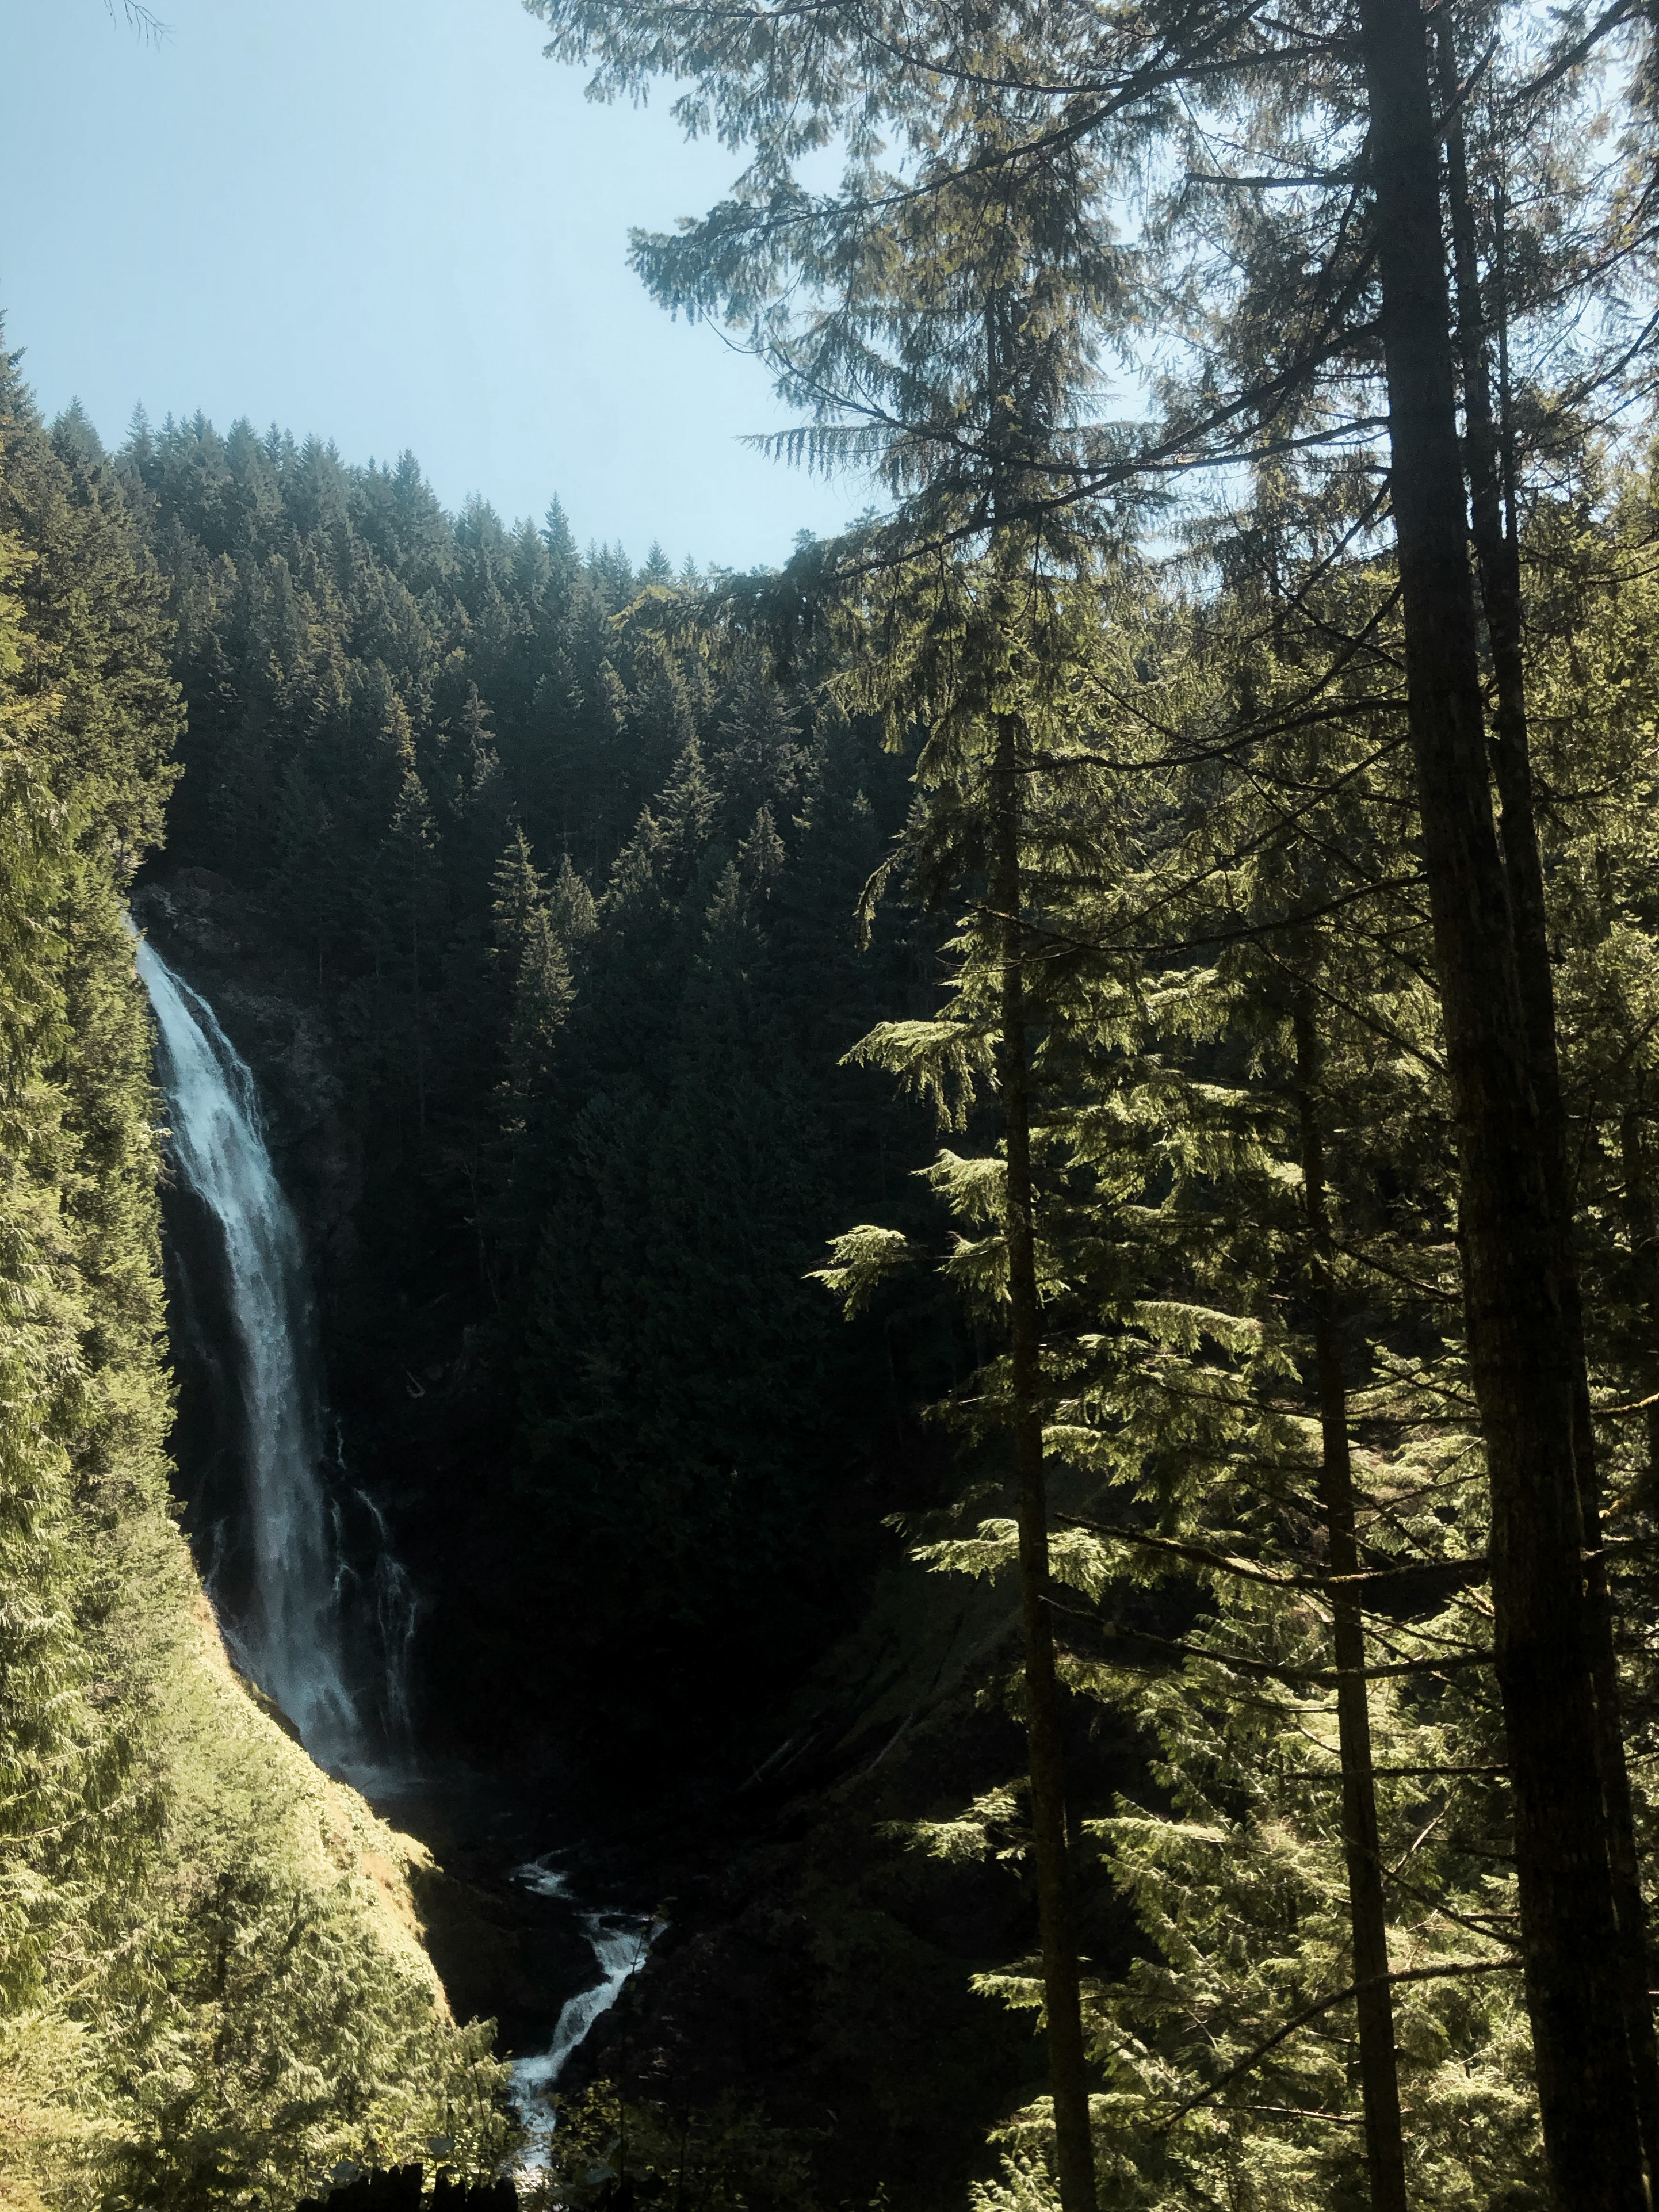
[
  {"x": 419, "y": 1428},
  {"x": 502, "y": 1953},
  {"x": 298, "y": 1099},
  {"x": 206, "y": 1436}
]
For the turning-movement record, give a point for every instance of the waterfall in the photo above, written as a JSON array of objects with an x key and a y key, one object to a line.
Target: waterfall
[
  {"x": 619, "y": 1941},
  {"x": 297, "y": 1605}
]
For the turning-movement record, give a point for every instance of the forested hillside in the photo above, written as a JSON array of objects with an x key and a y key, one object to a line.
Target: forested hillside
[
  {"x": 210, "y": 1982},
  {"x": 592, "y": 1045},
  {"x": 570, "y": 874},
  {"x": 984, "y": 1211},
  {"x": 1283, "y": 761}
]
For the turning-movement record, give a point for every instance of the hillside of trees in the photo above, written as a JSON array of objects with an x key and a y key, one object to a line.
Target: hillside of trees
[
  {"x": 985, "y": 1210},
  {"x": 210, "y": 1985},
  {"x": 568, "y": 875}
]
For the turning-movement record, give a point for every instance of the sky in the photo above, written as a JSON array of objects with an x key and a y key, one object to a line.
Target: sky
[{"x": 393, "y": 223}]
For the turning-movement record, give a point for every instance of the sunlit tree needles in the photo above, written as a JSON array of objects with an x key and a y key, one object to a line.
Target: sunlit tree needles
[
  {"x": 1231, "y": 735},
  {"x": 1362, "y": 282}
]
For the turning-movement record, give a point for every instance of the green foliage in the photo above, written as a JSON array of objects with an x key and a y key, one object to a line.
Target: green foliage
[
  {"x": 568, "y": 862},
  {"x": 1175, "y": 900},
  {"x": 612, "y": 1092},
  {"x": 205, "y": 1989},
  {"x": 728, "y": 2157}
]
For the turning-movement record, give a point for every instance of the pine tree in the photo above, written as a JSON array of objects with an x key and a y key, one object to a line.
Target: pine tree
[
  {"x": 1280, "y": 322},
  {"x": 136, "y": 1776},
  {"x": 529, "y": 944}
]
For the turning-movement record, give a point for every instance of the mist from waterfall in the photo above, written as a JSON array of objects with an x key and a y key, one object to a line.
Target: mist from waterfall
[{"x": 299, "y": 1607}]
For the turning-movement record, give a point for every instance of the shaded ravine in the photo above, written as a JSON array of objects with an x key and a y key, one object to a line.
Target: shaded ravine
[
  {"x": 325, "y": 1637},
  {"x": 326, "y": 1643}
]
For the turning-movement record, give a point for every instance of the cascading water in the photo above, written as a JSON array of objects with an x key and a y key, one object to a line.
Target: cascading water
[
  {"x": 330, "y": 1645},
  {"x": 296, "y": 1605},
  {"x": 620, "y": 1941}
]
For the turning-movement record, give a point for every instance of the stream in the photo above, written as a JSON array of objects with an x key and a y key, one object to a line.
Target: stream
[
  {"x": 322, "y": 1626},
  {"x": 620, "y": 1943}
]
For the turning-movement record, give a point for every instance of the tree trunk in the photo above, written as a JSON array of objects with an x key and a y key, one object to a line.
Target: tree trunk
[
  {"x": 1641, "y": 1229},
  {"x": 1520, "y": 1354},
  {"x": 1497, "y": 555},
  {"x": 1379, "y": 2076},
  {"x": 1074, "y": 2143}
]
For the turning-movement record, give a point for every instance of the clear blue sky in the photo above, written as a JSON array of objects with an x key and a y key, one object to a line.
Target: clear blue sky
[{"x": 391, "y": 222}]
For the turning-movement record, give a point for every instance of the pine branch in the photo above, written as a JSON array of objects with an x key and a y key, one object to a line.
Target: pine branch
[
  {"x": 1618, "y": 1413},
  {"x": 1325, "y": 1677},
  {"x": 1472, "y": 1569},
  {"x": 140, "y": 19},
  {"x": 1335, "y": 1773},
  {"x": 1207, "y": 2094}
]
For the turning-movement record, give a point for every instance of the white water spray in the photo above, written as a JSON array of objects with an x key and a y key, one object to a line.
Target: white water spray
[
  {"x": 287, "y": 1634},
  {"x": 620, "y": 1941}
]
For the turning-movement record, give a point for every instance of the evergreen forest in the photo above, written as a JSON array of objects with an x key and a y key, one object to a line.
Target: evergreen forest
[{"x": 978, "y": 1218}]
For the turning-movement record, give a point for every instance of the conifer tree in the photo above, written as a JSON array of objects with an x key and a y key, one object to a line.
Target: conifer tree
[
  {"x": 143, "y": 2051},
  {"x": 988, "y": 666},
  {"x": 1382, "y": 264},
  {"x": 528, "y": 942},
  {"x": 571, "y": 905}
]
